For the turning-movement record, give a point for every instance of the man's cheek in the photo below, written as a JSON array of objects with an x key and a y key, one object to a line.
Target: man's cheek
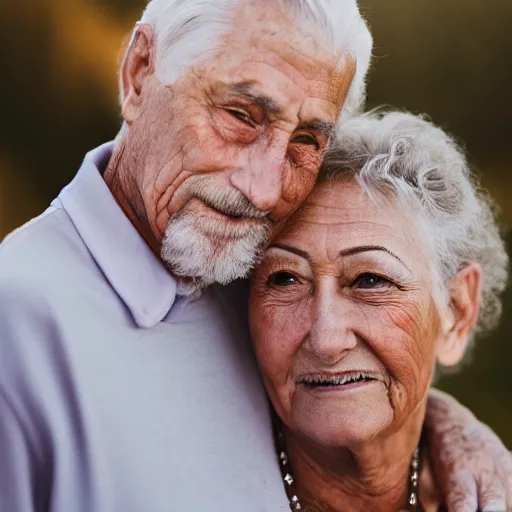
[
  {"x": 205, "y": 151},
  {"x": 297, "y": 185}
]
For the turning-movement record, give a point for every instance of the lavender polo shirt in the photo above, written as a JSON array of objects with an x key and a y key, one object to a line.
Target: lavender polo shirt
[{"x": 115, "y": 394}]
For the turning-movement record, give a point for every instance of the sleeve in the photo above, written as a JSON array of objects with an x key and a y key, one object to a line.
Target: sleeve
[{"x": 16, "y": 471}]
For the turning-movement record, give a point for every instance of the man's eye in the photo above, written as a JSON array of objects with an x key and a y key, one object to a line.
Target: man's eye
[
  {"x": 281, "y": 279},
  {"x": 304, "y": 138},
  {"x": 371, "y": 281},
  {"x": 241, "y": 115}
]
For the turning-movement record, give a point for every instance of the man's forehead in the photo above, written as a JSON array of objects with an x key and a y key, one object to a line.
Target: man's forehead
[
  {"x": 274, "y": 82},
  {"x": 327, "y": 75},
  {"x": 264, "y": 32}
]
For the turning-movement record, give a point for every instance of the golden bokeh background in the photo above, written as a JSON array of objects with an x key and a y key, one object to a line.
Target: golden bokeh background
[{"x": 450, "y": 59}]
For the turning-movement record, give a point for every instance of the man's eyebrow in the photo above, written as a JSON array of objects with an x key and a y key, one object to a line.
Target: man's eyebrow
[
  {"x": 324, "y": 127},
  {"x": 366, "y": 248},
  {"x": 262, "y": 100}
]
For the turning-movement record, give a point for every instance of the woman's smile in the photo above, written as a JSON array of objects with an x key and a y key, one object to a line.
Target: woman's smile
[{"x": 339, "y": 382}]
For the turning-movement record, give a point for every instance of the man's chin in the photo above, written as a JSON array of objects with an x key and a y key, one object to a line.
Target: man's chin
[
  {"x": 198, "y": 261},
  {"x": 191, "y": 283}
]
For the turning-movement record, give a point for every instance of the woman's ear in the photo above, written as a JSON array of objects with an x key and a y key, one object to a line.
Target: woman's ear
[
  {"x": 138, "y": 63},
  {"x": 464, "y": 305}
]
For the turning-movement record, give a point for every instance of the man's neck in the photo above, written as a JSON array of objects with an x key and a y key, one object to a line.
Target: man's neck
[
  {"x": 121, "y": 181},
  {"x": 371, "y": 476}
]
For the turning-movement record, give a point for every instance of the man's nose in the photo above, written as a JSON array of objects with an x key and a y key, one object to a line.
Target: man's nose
[
  {"x": 261, "y": 178},
  {"x": 331, "y": 336}
]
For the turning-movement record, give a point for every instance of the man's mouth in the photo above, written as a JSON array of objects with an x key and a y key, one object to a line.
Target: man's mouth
[
  {"x": 344, "y": 379},
  {"x": 221, "y": 225},
  {"x": 234, "y": 216},
  {"x": 227, "y": 212},
  {"x": 237, "y": 208}
]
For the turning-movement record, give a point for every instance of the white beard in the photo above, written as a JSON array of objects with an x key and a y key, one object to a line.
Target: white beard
[{"x": 200, "y": 251}]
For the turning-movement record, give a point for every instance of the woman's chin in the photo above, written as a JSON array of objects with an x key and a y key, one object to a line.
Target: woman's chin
[{"x": 337, "y": 421}]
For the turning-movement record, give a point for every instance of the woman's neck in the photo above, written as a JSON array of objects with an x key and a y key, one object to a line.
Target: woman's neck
[{"x": 371, "y": 476}]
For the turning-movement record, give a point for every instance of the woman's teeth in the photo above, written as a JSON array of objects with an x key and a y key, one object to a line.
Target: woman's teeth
[{"x": 335, "y": 380}]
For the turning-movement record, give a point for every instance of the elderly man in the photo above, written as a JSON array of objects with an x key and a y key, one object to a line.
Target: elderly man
[{"x": 126, "y": 379}]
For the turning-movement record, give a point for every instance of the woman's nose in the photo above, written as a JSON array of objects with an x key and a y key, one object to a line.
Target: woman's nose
[{"x": 332, "y": 336}]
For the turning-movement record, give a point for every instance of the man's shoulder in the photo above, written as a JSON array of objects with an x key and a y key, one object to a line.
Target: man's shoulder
[
  {"x": 51, "y": 291},
  {"x": 42, "y": 235},
  {"x": 46, "y": 252}
]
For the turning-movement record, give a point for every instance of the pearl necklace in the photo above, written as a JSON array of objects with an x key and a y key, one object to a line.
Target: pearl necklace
[{"x": 295, "y": 504}]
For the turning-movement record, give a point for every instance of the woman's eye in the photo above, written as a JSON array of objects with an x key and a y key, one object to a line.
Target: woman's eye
[
  {"x": 281, "y": 279},
  {"x": 371, "y": 281},
  {"x": 304, "y": 138},
  {"x": 241, "y": 116}
]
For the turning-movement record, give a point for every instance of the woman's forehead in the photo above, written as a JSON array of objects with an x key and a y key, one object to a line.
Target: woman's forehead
[
  {"x": 340, "y": 204},
  {"x": 341, "y": 215}
]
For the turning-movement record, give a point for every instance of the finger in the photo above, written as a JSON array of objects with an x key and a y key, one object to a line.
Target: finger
[
  {"x": 495, "y": 506},
  {"x": 491, "y": 491},
  {"x": 505, "y": 470},
  {"x": 461, "y": 492},
  {"x": 494, "y": 500},
  {"x": 508, "y": 491}
]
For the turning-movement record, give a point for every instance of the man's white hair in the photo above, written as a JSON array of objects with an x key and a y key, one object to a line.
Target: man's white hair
[
  {"x": 187, "y": 31},
  {"x": 417, "y": 163}
]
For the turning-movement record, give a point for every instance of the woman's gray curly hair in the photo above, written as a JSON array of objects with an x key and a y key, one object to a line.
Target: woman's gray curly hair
[{"x": 416, "y": 161}]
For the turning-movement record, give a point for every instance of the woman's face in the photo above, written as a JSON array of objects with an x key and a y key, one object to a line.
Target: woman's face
[{"x": 343, "y": 319}]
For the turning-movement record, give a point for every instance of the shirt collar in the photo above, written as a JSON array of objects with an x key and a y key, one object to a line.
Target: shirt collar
[{"x": 132, "y": 269}]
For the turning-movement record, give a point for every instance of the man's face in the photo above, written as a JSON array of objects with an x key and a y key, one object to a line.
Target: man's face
[{"x": 226, "y": 153}]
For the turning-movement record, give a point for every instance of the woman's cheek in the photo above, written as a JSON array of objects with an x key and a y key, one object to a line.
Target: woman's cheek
[
  {"x": 406, "y": 345},
  {"x": 418, "y": 326},
  {"x": 276, "y": 305},
  {"x": 278, "y": 327}
]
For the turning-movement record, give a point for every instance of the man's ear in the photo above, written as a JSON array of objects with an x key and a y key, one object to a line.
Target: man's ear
[
  {"x": 464, "y": 306},
  {"x": 138, "y": 63}
]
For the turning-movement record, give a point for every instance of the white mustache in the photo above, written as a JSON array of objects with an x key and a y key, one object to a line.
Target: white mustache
[{"x": 228, "y": 201}]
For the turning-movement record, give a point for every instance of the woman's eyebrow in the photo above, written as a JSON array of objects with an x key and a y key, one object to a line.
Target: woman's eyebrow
[
  {"x": 366, "y": 248},
  {"x": 288, "y": 248}
]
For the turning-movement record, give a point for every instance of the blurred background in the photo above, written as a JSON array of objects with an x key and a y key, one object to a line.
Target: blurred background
[{"x": 450, "y": 59}]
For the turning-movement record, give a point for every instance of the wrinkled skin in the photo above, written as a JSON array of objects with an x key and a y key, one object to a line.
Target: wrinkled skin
[
  {"x": 211, "y": 122},
  {"x": 255, "y": 117},
  {"x": 347, "y": 287},
  {"x": 471, "y": 463}
]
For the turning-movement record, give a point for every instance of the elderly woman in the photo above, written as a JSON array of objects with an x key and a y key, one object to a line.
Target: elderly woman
[{"x": 387, "y": 271}]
